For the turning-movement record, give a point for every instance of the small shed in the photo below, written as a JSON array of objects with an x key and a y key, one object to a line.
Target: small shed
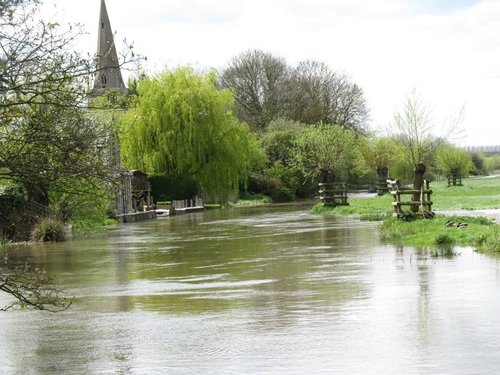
[
  {"x": 124, "y": 193},
  {"x": 141, "y": 191}
]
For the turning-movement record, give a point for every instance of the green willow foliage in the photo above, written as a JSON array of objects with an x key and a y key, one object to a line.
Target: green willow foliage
[
  {"x": 326, "y": 151},
  {"x": 378, "y": 152},
  {"x": 453, "y": 159},
  {"x": 181, "y": 123}
]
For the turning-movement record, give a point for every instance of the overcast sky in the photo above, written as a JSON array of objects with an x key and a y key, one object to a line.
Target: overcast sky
[{"x": 447, "y": 50}]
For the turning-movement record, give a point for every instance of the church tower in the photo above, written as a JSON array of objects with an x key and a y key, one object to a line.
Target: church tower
[{"x": 108, "y": 75}]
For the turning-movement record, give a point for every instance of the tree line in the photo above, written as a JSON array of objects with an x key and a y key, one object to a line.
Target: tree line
[{"x": 267, "y": 88}]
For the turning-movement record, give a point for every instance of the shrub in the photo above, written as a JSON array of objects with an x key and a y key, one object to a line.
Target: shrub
[
  {"x": 3, "y": 240},
  {"x": 88, "y": 207},
  {"x": 48, "y": 230}
]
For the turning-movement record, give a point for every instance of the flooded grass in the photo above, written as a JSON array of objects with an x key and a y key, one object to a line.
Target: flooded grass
[
  {"x": 476, "y": 193},
  {"x": 252, "y": 200},
  {"x": 474, "y": 231}
]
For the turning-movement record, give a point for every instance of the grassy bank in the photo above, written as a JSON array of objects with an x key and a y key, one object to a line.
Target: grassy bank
[{"x": 475, "y": 194}]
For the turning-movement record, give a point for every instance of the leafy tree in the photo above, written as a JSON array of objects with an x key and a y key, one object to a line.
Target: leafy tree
[
  {"x": 47, "y": 140},
  {"x": 478, "y": 159},
  {"x": 46, "y": 136},
  {"x": 453, "y": 160},
  {"x": 54, "y": 145},
  {"x": 86, "y": 210},
  {"x": 378, "y": 155},
  {"x": 326, "y": 152},
  {"x": 183, "y": 124},
  {"x": 277, "y": 144},
  {"x": 492, "y": 163}
]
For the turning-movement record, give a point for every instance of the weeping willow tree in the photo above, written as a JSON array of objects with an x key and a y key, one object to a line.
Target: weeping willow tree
[{"x": 182, "y": 124}]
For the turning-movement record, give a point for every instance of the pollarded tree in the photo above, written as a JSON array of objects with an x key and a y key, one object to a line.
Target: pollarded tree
[
  {"x": 378, "y": 154},
  {"x": 453, "y": 160},
  {"x": 326, "y": 152},
  {"x": 183, "y": 124},
  {"x": 413, "y": 128}
]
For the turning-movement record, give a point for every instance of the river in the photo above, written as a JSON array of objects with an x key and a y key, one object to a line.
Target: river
[{"x": 261, "y": 291}]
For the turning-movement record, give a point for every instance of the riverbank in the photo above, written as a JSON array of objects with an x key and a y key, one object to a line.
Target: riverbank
[{"x": 476, "y": 203}]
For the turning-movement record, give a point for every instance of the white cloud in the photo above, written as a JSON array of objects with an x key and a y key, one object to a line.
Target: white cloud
[{"x": 388, "y": 47}]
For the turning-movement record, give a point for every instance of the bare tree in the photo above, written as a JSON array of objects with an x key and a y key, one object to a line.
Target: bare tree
[
  {"x": 38, "y": 64},
  {"x": 258, "y": 80},
  {"x": 318, "y": 94},
  {"x": 31, "y": 287},
  {"x": 267, "y": 88}
]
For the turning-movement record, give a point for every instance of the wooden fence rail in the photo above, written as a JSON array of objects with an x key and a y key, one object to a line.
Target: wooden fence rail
[
  {"x": 454, "y": 179},
  {"x": 422, "y": 205},
  {"x": 333, "y": 193}
]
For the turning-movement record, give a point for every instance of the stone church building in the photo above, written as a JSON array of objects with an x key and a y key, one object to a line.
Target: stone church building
[{"x": 134, "y": 193}]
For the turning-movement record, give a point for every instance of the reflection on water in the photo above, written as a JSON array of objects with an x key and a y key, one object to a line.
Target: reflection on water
[{"x": 271, "y": 290}]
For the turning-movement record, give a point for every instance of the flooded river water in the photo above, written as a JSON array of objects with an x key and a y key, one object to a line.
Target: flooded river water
[{"x": 262, "y": 291}]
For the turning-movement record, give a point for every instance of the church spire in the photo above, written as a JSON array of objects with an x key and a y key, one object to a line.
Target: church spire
[{"x": 108, "y": 74}]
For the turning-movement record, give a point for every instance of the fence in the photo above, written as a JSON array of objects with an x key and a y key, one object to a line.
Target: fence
[
  {"x": 422, "y": 204},
  {"x": 455, "y": 179},
  {"x": 333, "y": 193}
]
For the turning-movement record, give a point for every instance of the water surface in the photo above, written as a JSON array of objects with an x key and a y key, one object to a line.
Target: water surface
[{"x": 262, "y": 290}]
